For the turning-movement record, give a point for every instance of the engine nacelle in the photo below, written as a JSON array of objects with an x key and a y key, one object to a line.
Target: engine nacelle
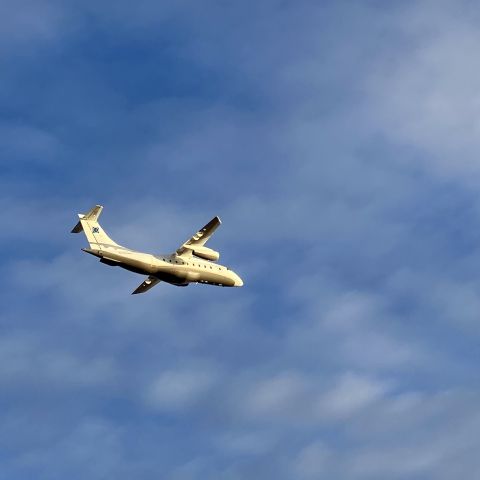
[{"x": 206, "y": 253}]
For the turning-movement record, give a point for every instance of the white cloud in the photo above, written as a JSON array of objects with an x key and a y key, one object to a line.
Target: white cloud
[
  {"x": 350, "y": 394},
  {"x": 281, "y": 395},
  {"x": 28, "y": 23},
  {"x": 356, "y": 329},
  {"x": 295, "y": 398},
  {"x": 425, "y": 93},
  {"x": 246, "y": 442},
  {"x": 92, "y": 447},
  {"x": 24, "y": 143},
  {"x": 312, "y": 461},
  {"x": 400, "y": 462},
  {"x": 179, "y": 389},
  {"x": 26, "y": 361}
]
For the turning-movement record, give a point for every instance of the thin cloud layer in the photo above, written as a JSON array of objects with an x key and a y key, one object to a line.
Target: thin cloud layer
[
  {"x": 428, "y": 97},
  {"x": 337, "y": 143}
]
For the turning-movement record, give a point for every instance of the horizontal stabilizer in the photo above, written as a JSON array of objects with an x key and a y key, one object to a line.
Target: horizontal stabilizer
[
  {"x": 146, "y": 285},
  {"x": 77, "y": 228}
]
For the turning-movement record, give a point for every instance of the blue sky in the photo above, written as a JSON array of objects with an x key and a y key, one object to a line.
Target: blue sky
[{"x": 338, "y": 141}]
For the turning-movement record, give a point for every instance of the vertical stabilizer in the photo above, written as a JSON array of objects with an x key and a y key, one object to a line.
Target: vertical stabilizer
[{"x": 96, "y": 236}]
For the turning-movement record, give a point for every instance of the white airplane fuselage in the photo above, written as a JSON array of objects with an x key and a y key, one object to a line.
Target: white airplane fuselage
[{"x": 172, "y": 268}]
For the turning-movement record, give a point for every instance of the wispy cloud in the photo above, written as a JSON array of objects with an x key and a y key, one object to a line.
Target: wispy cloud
[{"x": 338, "y": 143}]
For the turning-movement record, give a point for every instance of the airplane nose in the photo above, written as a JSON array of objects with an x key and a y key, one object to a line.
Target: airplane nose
[{"x": 238, "y": 281}]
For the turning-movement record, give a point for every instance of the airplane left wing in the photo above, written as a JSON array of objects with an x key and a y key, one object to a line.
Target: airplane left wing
[
  {"x": 146, "y": 285},
  {"x": 201, "y": 237}
]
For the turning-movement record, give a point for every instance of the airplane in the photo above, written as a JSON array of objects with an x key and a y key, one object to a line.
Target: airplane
[{"x": 192, "y": 262}]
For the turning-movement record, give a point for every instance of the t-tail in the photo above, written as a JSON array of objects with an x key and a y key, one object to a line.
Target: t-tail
[{"x": 95, "y": 234}]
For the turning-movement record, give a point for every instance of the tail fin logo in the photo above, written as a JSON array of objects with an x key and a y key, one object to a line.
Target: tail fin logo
[{"x": 95, "y": 230}]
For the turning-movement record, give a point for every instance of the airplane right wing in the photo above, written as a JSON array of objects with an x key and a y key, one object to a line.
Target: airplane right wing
[
  {"x": 201, "y": 237},
  {"x": 146, "y": 285}
]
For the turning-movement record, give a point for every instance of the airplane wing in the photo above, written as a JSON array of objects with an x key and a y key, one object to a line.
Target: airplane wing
[
  {"x": 202, "y": 236},
  {"x": 146, "y": 285}
]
